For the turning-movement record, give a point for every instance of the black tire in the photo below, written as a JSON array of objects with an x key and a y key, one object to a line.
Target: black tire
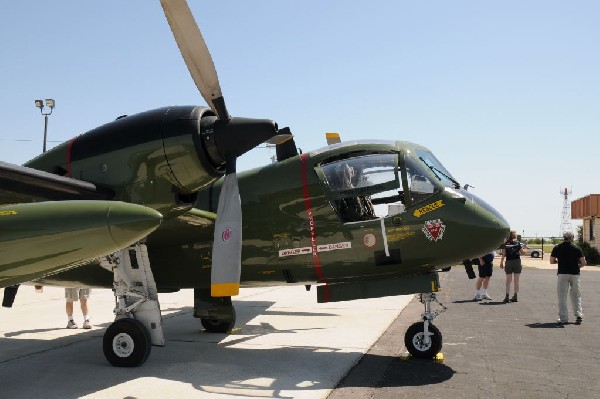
[
  {"x": 413, "y": 339},
  {"x": 535, "y": 254},
  {"x": 126, "y": 343},
  {"x": 219, "y": 325}
]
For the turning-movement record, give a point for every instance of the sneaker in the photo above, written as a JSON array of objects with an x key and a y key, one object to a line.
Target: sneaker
[
  {"x": 560, "y": 322},
  {"x": 72, "y": 325},
  {"x": 486, "y": 296},
  {"x": 87, "y": 325},
  {"x": 477, "y": 298},
  {"x": 514, "y": 298},
  {"x": 506, "y": 300},
  {"x": 579, "y": 320}
]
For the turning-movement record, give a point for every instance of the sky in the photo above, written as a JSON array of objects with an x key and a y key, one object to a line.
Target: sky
[{"x": 505, "y": 93}]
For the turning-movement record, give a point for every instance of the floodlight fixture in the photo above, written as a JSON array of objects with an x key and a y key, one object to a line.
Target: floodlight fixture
[{"x": 50, "y": 103}]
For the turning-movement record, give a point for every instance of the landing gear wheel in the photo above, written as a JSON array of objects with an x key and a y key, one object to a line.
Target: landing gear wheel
[
  {"x": 126, "y": 343},
  {"x": 414, "y": 341},
  {"x": 221, "y": 324}
]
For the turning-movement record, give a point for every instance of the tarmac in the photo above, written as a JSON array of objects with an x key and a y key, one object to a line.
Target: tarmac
[
  {"x": 288, "y": 346},
  {"x": 491, "y": 349}
]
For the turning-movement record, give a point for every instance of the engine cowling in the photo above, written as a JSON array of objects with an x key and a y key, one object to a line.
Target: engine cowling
[{"x": 158, "y": 158}]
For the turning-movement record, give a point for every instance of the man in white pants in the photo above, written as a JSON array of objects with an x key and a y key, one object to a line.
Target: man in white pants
[{"x": 570, "y": 260}]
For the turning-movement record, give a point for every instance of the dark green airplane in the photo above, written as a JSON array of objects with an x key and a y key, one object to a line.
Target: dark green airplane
[{"x": 356, "y": 219}]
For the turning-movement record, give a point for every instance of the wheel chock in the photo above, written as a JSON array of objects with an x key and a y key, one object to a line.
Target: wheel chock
[{"x": 439, "y": 358}]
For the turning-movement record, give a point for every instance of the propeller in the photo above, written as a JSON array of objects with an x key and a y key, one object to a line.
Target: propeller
[
  {"x": 227, "y": 139},
  {"x": 195, "y": 54}
]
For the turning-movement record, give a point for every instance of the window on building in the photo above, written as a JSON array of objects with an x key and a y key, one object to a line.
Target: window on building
[{"x": 591, "y": 230}]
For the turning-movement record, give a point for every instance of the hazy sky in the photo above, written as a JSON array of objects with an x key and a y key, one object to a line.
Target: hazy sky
[{"x": 505, "y": 93}]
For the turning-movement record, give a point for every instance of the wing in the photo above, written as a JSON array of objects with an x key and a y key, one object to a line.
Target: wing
[
  {"x": 22, "y": 184},
  {"x": 41, "y": 238}
]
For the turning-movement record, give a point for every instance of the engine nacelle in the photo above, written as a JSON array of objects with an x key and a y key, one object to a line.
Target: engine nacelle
[{"x": 158, "y": 158}]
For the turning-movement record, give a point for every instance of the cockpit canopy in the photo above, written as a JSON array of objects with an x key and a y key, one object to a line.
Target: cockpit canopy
[{"x": 369, "y": 185}]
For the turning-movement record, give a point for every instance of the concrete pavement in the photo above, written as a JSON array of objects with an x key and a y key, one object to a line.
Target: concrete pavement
[{"x": 288, "y": 347}]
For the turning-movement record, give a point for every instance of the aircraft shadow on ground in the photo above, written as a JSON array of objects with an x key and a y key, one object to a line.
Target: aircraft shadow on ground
[
  {"x": 34, "y": 331},
  {"x": 187, "y": 360},
  {"x": 397, "y": 372}
]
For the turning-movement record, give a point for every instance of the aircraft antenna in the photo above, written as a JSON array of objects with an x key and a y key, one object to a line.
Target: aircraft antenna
[{"x": 565, "y": 221}]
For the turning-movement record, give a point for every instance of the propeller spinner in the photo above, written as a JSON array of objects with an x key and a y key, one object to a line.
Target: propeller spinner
[{"x": 232, "y": 137}]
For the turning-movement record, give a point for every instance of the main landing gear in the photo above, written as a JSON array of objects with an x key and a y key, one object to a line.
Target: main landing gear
[
  {"x": 138, "y": 323},
  {"x": 423, "y": 339},
  {"x": 216, "y": 314}
]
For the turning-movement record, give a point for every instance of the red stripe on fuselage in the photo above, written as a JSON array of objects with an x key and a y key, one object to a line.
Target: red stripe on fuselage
[
  {"x": 68, "y": 160},
  {"x": 311, "y": 227}
]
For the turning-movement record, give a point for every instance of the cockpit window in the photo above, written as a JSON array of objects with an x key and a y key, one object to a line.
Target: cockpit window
[
  {"x": 365, "y": 174},
  {"x": 419, "y": 184},
  {"x": 354, "y": 181},
  {"x": 437, "y": 168}
]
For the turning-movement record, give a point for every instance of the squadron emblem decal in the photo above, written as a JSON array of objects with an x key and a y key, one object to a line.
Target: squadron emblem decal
[{"x": 434, "y": 230}]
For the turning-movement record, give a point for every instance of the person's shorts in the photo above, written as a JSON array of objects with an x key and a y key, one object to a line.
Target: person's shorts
[
  {"x": 74, "y": 294},
  {"x": 513, "y": 266},
  {"x": 485, "y": 270}
]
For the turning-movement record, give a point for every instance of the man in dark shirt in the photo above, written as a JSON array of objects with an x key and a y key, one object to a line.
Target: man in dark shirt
[{"x": 570, "y": 260}]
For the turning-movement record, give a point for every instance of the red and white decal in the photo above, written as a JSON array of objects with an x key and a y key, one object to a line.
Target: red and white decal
[
  {"x": 369, "y": 240},
  {"x": 319, "y": 248},
  {"x": 226, "y": 235},
  {"x": 333, "y": 247},
  {"x": 434, "y": 230}
]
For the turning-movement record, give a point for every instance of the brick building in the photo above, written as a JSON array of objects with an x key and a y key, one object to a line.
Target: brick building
[{"x": 588, "y": 209}]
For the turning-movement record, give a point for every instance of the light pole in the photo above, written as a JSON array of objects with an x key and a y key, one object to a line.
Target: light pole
[{"x": 50, "y": 104}]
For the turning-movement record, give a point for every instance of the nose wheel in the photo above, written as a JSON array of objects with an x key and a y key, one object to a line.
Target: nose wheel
[
  {"x": 422, "y": 339},
  {"x": 421, "y": 344}
]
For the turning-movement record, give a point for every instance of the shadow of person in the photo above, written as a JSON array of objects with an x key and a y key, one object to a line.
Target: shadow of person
[{"x": 546, "y": 325}]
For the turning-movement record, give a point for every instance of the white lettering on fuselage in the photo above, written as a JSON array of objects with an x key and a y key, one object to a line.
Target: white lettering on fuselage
[{"x": 315, "y": 249}]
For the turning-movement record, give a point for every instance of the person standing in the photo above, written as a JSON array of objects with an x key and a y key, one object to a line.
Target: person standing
[
  {"x": 485, "y": 272},
  {"x": 512, "y": 251},
  {"x": 570, "y": 260},
  {"x": 72, "y": 295}
]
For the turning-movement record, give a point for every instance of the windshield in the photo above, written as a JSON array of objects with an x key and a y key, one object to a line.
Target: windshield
[{"x": 437, "y": 168}]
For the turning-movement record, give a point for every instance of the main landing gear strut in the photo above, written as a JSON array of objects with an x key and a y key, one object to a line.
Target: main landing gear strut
[
  {"x": 138, "y": 324},
  {"x": 423, "y": 339}
]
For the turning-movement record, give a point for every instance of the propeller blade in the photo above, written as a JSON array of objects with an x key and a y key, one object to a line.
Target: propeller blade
[
  {"x": 195, "y": 54},
  {"x": 227, "y": 240}
]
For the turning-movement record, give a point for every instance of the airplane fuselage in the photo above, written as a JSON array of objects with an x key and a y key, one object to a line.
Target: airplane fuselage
[{"x": 300, "y": 228}]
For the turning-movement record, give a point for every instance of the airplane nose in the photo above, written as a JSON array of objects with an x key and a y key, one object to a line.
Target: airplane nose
[
  {"x": 126, "y": 221},
  {"x": 489, "y": 228}
]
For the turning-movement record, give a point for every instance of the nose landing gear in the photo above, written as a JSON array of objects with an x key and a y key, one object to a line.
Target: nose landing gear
[{"x": 422, "y": 339}]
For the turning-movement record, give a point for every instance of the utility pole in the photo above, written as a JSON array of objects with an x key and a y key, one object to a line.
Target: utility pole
[{"x": 50, "y": 103}]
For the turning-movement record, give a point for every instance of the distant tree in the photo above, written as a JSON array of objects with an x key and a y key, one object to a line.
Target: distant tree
[{"x": 592, "y": 256}]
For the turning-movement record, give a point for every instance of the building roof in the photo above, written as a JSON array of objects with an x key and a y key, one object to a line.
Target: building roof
[{"x": 586, "y": 207}]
